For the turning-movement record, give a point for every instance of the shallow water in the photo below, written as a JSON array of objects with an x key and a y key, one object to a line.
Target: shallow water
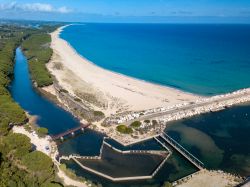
[
  {"x": 203, "y": 59},
  {"x": 88, "y": 143},
  {"x": 221, "y": 140}
]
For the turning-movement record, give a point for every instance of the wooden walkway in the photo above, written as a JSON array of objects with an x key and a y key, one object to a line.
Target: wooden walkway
[
  {"x": 70, "y": 131},
  {"x": 195, "y": 161}
]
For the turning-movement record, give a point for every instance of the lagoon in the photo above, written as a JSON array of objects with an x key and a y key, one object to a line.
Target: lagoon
[
  {"x": 220, "y": 140},
  {"x": 58, "y": 120}
]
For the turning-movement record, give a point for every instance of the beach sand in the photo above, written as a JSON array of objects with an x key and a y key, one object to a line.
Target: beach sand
[{"x": 104, "y": 90}]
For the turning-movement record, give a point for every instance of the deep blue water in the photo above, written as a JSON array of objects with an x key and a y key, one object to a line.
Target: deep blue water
[
  {"x": 49, "y": 115},
  {"x": 220, "y": 140},
  {"x": 202, "y": 59}
]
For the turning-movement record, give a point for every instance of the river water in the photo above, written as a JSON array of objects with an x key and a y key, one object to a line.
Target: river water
[{"x": 220, "y": 140}]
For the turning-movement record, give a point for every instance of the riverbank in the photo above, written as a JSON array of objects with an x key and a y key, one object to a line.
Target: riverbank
[
  {"x": 48, "y": 147},
  {"x": 104, "y": 90},
  {"x": 84, "y": 88}
]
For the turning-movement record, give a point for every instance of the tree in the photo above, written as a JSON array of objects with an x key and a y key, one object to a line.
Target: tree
[
  {"x": 124, "y": 129},
  {"x": 135, "y": 124},
  {"x": 15, "y": 145},
  {"x": 41, "y": 131},
  {"x": 4, "y": 126},
  {"x": 40, "y": 165}
]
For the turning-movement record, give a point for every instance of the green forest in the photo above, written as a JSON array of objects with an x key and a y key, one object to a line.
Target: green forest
[
  {"x": 20, "y": 166},
  {"x": 38, "y": 51}
]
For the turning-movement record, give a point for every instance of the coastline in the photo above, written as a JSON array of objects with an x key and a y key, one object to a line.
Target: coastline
[
  {"x": 60, "y": 30},
  {"x": 110, "y": 92}
]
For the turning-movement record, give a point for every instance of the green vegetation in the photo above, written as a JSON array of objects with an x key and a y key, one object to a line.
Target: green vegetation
[
  {"x": 63, "y": 91},
  {"x": 77, "y": 99},
  {"x": 10, "y": 112},
  {"x": 70, "y": 173},
  {"x": 124, "y": 129},
  {"x": 135, "y": 124},
  {"x": 99, "y": 113},
  {"x": 19, "y": 165},
  {"x": 167, "y": 184},
  {"x": 154, "y": 122},
  {"x": 38, "y": 51},
  {"x": 41, "y": 131},
  {"x": 27, "y": 127}
]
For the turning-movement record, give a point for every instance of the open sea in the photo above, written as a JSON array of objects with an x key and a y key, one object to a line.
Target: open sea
[
  {"x": 204, "y": 59},
  {"x": 220, "y": 140}
]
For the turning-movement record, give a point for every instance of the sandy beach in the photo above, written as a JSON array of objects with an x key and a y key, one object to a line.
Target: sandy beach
[{"x": 104, "y": 90}]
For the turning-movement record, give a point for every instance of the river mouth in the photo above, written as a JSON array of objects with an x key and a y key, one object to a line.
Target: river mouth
[
  {"x": 224, "y": 135},
  {"x": 88, "y": 143}
]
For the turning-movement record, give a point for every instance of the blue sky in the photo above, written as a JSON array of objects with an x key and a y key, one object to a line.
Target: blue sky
[{"x": 235, "y": 11}]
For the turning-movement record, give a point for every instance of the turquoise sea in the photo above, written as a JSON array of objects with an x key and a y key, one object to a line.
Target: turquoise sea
[
  {"x": 204, "y": 59},
  {"x": 220, "y": 140}
]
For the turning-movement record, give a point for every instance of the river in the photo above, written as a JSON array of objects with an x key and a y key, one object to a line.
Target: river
[{"x": 58, "y": 120}]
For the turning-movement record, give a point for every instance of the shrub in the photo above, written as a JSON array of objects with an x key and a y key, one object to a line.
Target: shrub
[
  {"x": 64, "y": 91},
  {"x": 41, "y": 131},
  {"x": 27, "y": 127},
  {"x": 124, "y": 129},
  {"x": 77, "y": 99},
  {"x": 98, "y": 113},
  {"x": 135, "y": 124},
  {"x": 154, "y": 122}
]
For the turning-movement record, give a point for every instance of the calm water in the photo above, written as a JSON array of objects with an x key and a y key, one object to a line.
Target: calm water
[
  {"x": 202, "y": 59},
  {"x": 221, "y": 140},
  {"x": 124, "y": 165},
  {"x": 49, "y": 115},
  {"x": 88, "y": 143}
]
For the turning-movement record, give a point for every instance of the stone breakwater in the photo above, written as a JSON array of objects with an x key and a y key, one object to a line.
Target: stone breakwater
[
  {"x": 183, "y": 110},
  {"x": 217, "y": 103}
]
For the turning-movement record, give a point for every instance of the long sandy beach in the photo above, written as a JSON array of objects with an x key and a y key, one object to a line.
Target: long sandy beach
[{"x": 104, "y": 90}]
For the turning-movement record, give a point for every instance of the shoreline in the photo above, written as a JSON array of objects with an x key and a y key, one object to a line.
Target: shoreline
[
  {"x": 113, "y": 92},
  {"x": 67, "y": 66},
  {"x": 60, "y": 30}
]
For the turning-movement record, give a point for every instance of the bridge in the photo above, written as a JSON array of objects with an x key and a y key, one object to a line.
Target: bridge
[
  {"x": 190, "y": 157},
  {"x": 70, "y": 131}
]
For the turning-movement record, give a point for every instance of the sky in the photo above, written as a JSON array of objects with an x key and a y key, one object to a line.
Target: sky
[{"x": 155, "y": 11}]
